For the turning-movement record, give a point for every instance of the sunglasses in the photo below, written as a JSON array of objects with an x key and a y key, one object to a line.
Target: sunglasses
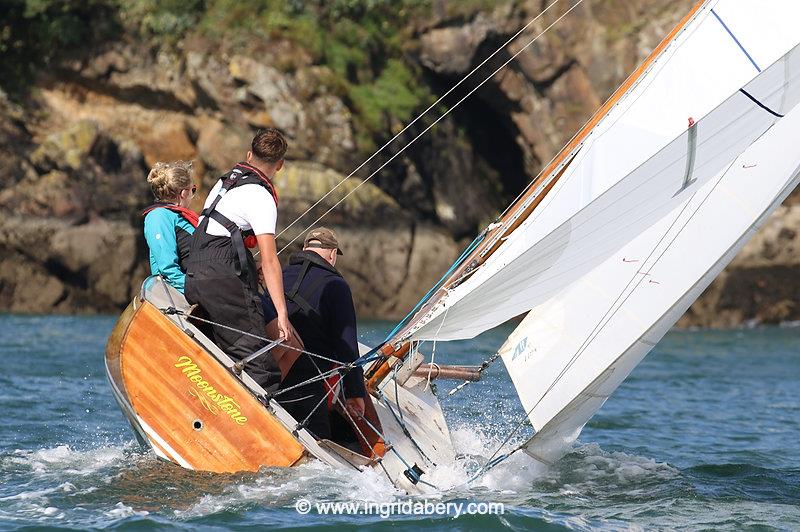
[{"x": 193, "y": 189}]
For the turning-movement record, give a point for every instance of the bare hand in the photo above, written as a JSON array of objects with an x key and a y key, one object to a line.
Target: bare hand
[
  {"x": 355, "y": 407},
  {"x": 285, "y": 329}
]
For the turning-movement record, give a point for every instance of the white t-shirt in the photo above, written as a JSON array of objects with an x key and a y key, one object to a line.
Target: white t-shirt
[{"x": 248, "y": 206}]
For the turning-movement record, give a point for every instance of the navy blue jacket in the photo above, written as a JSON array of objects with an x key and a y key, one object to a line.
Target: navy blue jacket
[{"x": 330, "y": 328}]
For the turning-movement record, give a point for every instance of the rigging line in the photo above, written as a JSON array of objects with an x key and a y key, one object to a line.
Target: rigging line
[
  {"x": 491, "y": 461},
  {"x": 738, "y": 43},
  {"x": 322, "y": 376},
  {"x": 334, "y": 394},
  {"x": 385, "y": 472},
  {"x": 433, "y": 350},
  {"x": 387, "y": 443},
  {"x": 177, "y": 312},
  {"x": 322, "y": 401},
  {"x": 442, "y": 97},
  {"x": 406, "y": 432},
  {"x": 491, "y": 464},
  {"x": 403, "y": 425},
  {"x": 428, "y": 128},
  {"x": 171, "y": 301},
  {"x": 340, "y": 368},
  {"x": 352, "y": 422},
  {"x": 485, "y": 364},
  {"x": 474, "y": 244},
  {"x": 397, "y": 393},
  {"x": 527, "y": 414}
]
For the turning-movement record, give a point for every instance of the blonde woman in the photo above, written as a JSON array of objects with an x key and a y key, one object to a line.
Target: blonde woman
[{"x": 168, "y": 223}]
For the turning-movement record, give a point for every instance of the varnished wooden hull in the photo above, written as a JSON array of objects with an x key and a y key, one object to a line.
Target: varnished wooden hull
[
  {"x": 178, "y": 391},
  {"x": 186, "y": 405}
]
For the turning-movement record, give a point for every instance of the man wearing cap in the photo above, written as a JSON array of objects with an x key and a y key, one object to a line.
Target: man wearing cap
[{"x": 320, "y": 307}]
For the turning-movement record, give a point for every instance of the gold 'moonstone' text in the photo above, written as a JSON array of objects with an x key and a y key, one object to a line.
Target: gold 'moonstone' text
[{"x": 213, "y": 400}]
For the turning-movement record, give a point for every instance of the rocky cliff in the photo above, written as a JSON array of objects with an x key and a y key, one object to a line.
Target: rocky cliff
[{"x": 76, "y": 145}]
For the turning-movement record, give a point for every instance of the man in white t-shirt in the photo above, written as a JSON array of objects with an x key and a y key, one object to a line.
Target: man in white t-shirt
[{"x": 221, "y": 276}]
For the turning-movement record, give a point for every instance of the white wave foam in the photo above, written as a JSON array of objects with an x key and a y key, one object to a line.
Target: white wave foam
[
  {"x": 519, "y": 472},
  {"x": 282, "y": 487},
  {"x": 64, "y": 459},
  {"x": 121, "y": 511},
  {"x": 66, "y": 487},
  {"x": 591, "y": 465}
]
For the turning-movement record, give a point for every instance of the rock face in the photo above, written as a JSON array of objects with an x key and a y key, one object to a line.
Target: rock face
[
  {"x": 74, "y": 156},
  {"x": 761, "y": 285}
]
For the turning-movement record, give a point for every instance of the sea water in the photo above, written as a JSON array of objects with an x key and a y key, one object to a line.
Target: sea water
[{"x": 705, "y": 434}]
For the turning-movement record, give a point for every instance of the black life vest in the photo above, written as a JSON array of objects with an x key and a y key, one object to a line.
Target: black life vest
[
  {"x": 299, "y": 308},
  {"x": 300, "y": 297},
  {"x": 241, "y": 174}
]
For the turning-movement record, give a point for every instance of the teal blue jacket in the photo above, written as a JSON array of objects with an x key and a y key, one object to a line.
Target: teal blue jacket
[{"x": 168, "y": 236}]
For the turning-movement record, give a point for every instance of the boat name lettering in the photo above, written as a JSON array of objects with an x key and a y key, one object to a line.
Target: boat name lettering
[{"x": 208, "y": 396}]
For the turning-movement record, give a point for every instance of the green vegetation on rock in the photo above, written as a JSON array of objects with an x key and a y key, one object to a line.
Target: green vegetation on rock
[
  {"x": 32, "y": 32},
  {"x": 362, "y": 42}
]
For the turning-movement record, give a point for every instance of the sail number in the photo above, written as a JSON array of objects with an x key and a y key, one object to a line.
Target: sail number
[{"x": 520, "y": 348}]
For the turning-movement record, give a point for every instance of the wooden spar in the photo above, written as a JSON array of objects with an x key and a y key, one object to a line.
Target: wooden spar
[
  {"x": 382, "y": 367},
  {"x": 441, "y": 371},
  {"x": 190, "y": 409},
  {"x": 519, "y": 211}
]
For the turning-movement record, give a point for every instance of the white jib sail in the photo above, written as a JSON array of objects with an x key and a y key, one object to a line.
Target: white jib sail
[
  {"x": 572, "y": 352},
  {"x": 725, "y": 45}
]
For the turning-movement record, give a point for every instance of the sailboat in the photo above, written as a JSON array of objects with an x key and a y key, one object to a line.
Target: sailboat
[{"x": 602, "y": 253}]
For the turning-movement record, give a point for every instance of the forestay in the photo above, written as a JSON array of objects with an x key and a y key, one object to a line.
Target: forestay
[{"x": 718, "y": 51}]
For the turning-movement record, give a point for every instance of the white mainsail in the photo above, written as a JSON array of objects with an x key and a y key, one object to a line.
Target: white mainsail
[{"x": 704, "y": 64}]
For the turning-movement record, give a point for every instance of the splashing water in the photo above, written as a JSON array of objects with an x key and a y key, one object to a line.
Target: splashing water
[{"x": 703, "y": 435}]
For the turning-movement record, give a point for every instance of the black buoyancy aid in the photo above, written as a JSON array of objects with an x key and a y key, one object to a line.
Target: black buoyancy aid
[
  {"x": 300, "y": 294},
  {"x": 241, "y": 174}
]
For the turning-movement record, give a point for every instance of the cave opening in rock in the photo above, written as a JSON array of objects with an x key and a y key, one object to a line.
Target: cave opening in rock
[
  {"x": 485, "y": 119},
  {"x": 494, "y": 138}
]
